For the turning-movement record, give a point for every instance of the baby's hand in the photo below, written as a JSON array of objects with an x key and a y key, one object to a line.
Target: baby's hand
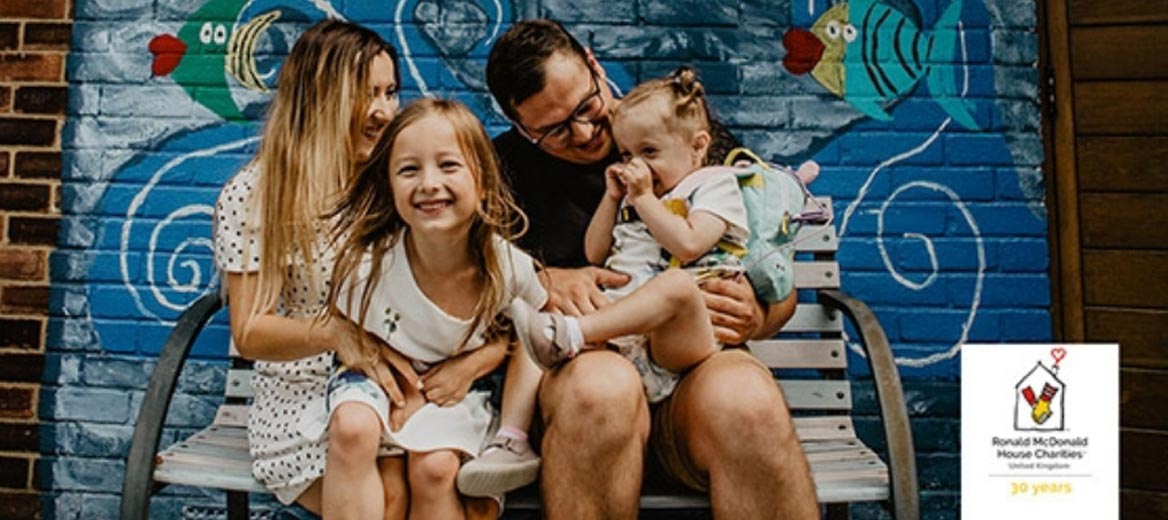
[
  {"x": 637, "y": 178},
  {"x": 613, "y": 187}
]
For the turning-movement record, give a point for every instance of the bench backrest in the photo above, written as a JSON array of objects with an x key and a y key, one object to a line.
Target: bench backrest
[{"x": 811, "y": 344}]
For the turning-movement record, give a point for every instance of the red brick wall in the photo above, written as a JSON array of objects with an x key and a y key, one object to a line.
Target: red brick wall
[{"x": 34, "y": 41}]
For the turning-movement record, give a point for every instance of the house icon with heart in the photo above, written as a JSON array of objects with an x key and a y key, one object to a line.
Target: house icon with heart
[{"x": 1038, "y": 400}]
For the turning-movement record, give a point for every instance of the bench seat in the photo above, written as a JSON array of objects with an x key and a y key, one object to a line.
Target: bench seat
[{"x": 844, "y": 469}]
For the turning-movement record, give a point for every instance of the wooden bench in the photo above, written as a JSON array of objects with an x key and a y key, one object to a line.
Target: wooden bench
[{"x": 809, "y": 358}]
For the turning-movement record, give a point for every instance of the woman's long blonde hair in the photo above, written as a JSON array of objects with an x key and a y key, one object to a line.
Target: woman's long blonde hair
[
  {"x": 307, "y": 154},
  {"x": 368, "y": 214}
]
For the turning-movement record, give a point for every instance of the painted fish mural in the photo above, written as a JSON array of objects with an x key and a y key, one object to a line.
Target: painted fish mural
[
  {"x": 213, "y": 46},
  {"x": 870, "y": 53}
]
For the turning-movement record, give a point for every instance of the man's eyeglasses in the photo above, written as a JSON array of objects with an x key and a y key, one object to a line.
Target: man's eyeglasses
[{"x": 559, "y": 136}]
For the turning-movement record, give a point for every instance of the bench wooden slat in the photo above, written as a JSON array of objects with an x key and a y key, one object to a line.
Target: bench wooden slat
[
  {"x": 817, "y": 275},
  {"x": 830, "y": 445},
  {"x": 182, "y": 473},
  {"x": 800, "y": 353},
  {"x": 233, "y": 414},
  {"x": 238, "y": 383},
  {"x": 857, "y": 488},
  {"x": 208, "y": 450},
  {"x": 835, "y": 460},
  {"x": 824, "y": 428},
  {"x": 848, "y": 472},
  {"x": 813, "y": 317},
  {"x": 233, "y": 431},
  {"x": 816, "y": 239},
  {"x": 817, "y": 394},
  {"x": 224, "y": 441}
]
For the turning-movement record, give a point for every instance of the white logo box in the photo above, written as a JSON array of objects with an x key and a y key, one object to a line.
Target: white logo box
[{"x": 1040, "y": 431}]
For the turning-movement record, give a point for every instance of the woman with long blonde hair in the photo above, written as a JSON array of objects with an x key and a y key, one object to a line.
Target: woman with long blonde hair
[{"x": 336, "y": 94}]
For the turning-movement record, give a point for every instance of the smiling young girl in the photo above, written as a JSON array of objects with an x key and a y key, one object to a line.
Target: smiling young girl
[
  {"x": 430, "y": 273},
  {"x": 660, "y": 210}
]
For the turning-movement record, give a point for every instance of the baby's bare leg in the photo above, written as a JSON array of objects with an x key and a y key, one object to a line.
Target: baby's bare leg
[{"x": 670, "y": 309}]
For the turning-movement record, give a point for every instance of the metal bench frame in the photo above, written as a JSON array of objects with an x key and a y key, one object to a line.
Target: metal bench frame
[{"x": 144, "y": 477}]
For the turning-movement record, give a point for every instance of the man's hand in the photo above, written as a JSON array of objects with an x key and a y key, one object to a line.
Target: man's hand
[
  {"x": 576, "y": 292},
  {"x": 734, "y": 312}
]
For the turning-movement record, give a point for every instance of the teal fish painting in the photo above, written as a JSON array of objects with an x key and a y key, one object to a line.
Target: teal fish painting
[
  {"x": 869, "y": 53},
  {"x": 211, "y": 47}
]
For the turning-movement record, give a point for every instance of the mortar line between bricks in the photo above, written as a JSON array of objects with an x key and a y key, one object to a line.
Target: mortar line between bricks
[
  {"x": 24, "y": 317},
  {"x": 29, "y": 147},
  {"x": 21, "y": 386},
  {"x": 29, "y": 180},
  {"x": 24, "y": 283},
  {"x": 25, "y": 213},
  {"x": 36, "y": 83},
  {"x": 23, "y": 116}
]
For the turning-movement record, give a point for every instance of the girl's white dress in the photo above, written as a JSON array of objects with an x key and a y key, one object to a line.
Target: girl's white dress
[{"x": 402, "y": 316}]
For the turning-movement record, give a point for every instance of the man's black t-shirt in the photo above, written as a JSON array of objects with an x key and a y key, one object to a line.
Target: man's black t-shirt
[{"x": 560, "y": 197}]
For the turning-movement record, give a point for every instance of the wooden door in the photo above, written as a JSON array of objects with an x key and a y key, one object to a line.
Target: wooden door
[{"x": 1106, "y": 64}]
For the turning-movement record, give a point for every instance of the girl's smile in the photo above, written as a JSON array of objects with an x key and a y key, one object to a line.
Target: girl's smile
[
  {"x": 433, "y": 207},
  {"x": 434, "y": 187}
]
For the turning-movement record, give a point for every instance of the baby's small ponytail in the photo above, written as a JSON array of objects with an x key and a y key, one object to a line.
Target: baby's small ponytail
[
  {"x": 689, "y": 96},
  {"x": 686, "y": 96}
]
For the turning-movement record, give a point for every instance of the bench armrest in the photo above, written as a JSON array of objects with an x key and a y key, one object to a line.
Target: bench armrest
[
  {"x": 136, "y": 489},
  {"x": 893, "y": 412}
]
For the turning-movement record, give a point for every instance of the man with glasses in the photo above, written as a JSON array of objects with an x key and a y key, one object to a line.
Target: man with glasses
[{"x": 725, "y": 429}]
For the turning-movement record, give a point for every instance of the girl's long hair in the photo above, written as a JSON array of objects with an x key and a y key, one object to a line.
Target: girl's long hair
[
  {"x": 367, "y": 214},
  {"x": 307, "y": 152}
]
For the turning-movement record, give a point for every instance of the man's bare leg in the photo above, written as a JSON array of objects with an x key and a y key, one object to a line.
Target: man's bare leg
[
  {"x": 730, "y": 416},
  {"x": 393, "y": 482},
  {"x": 481, "y": 508},
  {"x": 597, "y": 424}
]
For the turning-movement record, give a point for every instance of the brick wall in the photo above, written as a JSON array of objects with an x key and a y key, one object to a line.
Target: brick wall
[
  {"x": 943, "y": 227},
  {"x": 34, "y": 41}
]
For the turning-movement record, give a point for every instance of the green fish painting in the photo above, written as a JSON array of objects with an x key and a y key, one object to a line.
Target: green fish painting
[
  {"x": 210, "y": 48},
  {"x": 869, "y": 53}
]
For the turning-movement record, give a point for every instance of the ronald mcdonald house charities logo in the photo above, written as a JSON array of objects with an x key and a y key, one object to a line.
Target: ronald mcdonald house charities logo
[{"x": 1057, "y": 453}]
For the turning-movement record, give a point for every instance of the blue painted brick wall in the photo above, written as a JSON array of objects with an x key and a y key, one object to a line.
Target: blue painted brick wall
[{"x": 943, "y": 227}]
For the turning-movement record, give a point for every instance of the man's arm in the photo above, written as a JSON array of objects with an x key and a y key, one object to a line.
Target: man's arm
[{"x": 576, "y": 291}]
